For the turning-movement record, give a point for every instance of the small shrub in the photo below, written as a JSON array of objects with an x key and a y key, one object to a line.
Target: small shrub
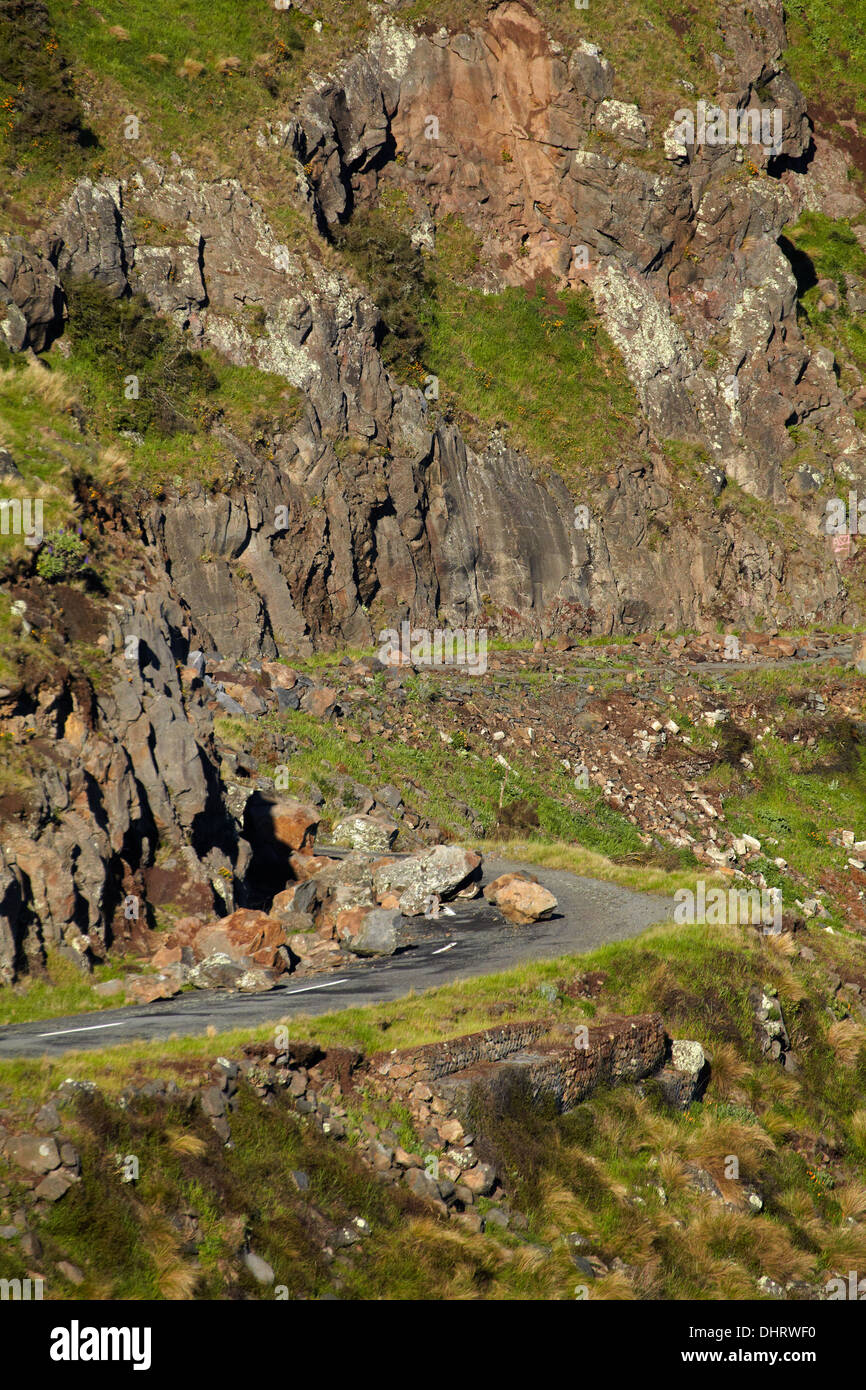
[
  {"x": 63, "y": 555},
  {"x": 397, "y": 276},
  {"x": 39, "y": 106},
  {"x": 124, "y": 337}
]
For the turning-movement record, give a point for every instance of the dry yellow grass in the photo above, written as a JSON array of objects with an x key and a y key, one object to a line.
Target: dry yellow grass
[
  {"x": 782, "y": 945},
  {"x": 613, "y": 1287},
  {"x": 846, "y": 1039},
  {"x": 672, "y": 1173},
  {"x": 181, "y": 1142},
  {"x": 191, "y": 68},
  {"x": 728, "y": 1072},
  {"x": 564, "y": 1210},
  {"x": 114, "y": 463},
  {"x": 49, "y": 384},
  {"x": 852, "y": 1199},
  {"x": 712, "y": 1143},
  {"x": 118, "y": 32},
  {"x": 858, "y": 1125},
  {"x": 844, "y": 1246},
  {"x": 176, "y": 1278}
]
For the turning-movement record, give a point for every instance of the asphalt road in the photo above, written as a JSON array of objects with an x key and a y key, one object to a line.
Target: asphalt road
[{"x": 473, "y": 942}]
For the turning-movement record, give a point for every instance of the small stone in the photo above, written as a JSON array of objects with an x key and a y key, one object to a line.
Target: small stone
[
  {"x": 36, "y": 1155},
  {"x": 497, "y": 1217},
  {"x": 213, "y": 1102},
  {"x": 258, "y": 1268},
  {"x": 31, "y": 1246},
  {"x": 48, "y": 1118},
  {"x": 53, "y": 1187},
  {"x": 770, "y": 1287},
  {"x": 688, "y": 1057},
  {"x": 481, "y": 1179}
]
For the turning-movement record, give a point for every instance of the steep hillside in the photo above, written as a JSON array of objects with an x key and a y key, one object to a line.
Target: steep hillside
[{"x": 529, "y": 329}]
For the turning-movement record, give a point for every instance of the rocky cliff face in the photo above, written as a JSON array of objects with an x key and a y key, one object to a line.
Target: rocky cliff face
[
  {"x": 682, "y": 255},
  {"x": 375, "y": 506}
]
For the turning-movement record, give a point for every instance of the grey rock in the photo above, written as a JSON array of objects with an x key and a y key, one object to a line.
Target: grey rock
[
  {"x": 378, "y": 935},
  {"x": 258, "y": 1268},
  {"x": 97, "y": 244},
  {"x": 442, "y": 870},
  {"x": 368, "y": 833},
  {"x": 37, "y": 1155},
  {"x": 31, "y": 301},
  {"x": 218, "y": 971}
]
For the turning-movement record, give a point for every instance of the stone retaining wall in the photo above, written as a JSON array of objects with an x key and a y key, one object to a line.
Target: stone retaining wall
[{"x": 621, "y": 1050}]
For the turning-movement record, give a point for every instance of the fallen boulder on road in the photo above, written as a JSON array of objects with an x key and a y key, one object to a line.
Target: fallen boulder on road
[
  {"x": 443, "y": 870},
  {"x": 520, "y": 899},
  {"x": 378, "y": 934}
]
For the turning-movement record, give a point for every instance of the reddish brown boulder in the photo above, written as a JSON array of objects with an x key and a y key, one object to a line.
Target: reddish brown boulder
[
  {"x": 503, "y": 881},
  {"x": 294, "y": 823},
  {"x": 283, "y": 902},
  {"x": 320, "y": 701},
  {"x": 306, "y": 866},
  {"x": 281, "y": 677},
  {"x": 519, "y": 900},
  {"x": 350, "y": 922},
  {"x": 144, "y": 989},
  {"x": 166, "y": 955},
  {"x": 245, "y": 936}
]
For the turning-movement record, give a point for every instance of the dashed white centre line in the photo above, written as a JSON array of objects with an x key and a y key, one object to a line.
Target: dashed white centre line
[
  {"x": 327, "y": 985},
  {"x": 439, "y": 951},
  {"x": 92, "y": 1028}
]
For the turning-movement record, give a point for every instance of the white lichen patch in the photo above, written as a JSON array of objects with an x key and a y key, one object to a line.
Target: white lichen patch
[
  {"x": 642, "y": 329},
  {"x": 393, "y": 45},
  {"x": 622, "y": 120}
]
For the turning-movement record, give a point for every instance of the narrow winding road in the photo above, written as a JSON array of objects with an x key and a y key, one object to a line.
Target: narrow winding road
[{"x": 474, "y": 941}]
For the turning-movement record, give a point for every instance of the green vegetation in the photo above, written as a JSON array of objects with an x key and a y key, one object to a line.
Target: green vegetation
[
  {"x": 827, "y": 53},
  {"x": 395, "y": 270},
  {"x": 828, "y": 250},
  {"x": 62, "y": 556},
  {"x": 63, "y": 989},
  {"x": 122, "y": 341},
  {"x": 41, "y": 121},
  {"x": 198, "y": 71},
  {"x": 451, "y": 784},
  {"x": 802, "y": 794},
  {"x": 538, "y": 363},
  {"x": 831, "y": 246},
  {"x": 135, "y": 376},
  {"x": 155, "y": 415},
  {"x": 618, "y": 1170}
]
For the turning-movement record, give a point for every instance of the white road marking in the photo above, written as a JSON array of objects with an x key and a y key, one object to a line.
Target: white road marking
[
  {"x": 443, "y": 948},
  {"x": 327, "y": 985},
  {"x": 92, "y": 1028}
]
